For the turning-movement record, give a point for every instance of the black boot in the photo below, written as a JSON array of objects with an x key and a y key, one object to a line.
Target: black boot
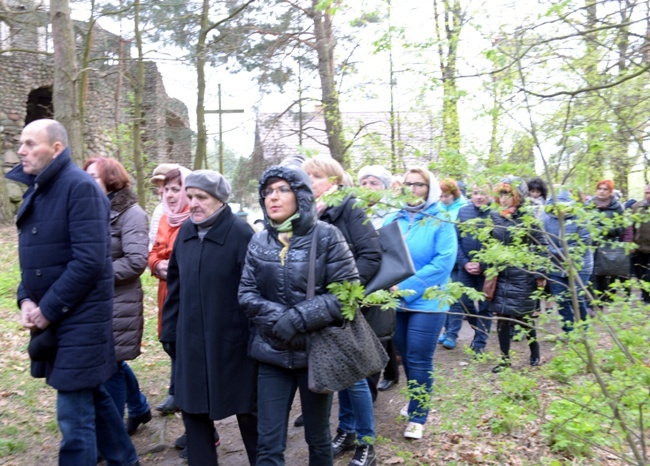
[
  {"x": 343, "y": 442},
  {"x": 168, "y": 406}
]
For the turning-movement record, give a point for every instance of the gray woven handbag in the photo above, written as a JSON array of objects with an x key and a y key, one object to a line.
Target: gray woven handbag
[{"x": 340, "y": 355}]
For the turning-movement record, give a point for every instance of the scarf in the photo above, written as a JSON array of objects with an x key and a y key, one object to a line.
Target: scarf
[
  {"x": 181, "y": 212},
  {"x": 285, "y": 232},
  {"x": 204, "y": 225},
  {"x": 508, "y": 212},
  {"x": 321, "y": 206},
  {"x": 415, "y": 208},
  {"x": 602, "y": 205}
]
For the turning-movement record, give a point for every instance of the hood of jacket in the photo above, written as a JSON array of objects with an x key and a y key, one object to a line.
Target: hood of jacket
[
  {"x": 122, "y": 200},
  {"x": 301, "y": 186},
  {"x": 564, "y": 198}
]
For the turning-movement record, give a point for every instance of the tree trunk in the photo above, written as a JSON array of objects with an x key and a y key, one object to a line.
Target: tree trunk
[
  {"x": 455, "y": 165},
  {"x": 66, "y": 73},
  {"x": 200, "y": 159},
  {"x": 137, "y": 110},
  {"x": 325, "y": 48}
]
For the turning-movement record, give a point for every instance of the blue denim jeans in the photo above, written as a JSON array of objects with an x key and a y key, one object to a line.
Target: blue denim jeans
[
  {"x": 479, "y": 319},
  {"x": 453, "y": 320},
  {"x": 89, "y": 421},
  {"x": 560, "y": 291},
  {"x": 416, "y": 336},
  {"x": 124, "y": 389},
  {"x": 276, "y": 388},
  {"x": 356, "y": 414}
]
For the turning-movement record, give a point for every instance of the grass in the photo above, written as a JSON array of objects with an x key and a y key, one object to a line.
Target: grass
[{"x": 513, "y": 418}]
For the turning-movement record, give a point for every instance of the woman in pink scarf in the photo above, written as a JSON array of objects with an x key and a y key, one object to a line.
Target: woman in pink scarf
[{"x": 176, "y": 211}]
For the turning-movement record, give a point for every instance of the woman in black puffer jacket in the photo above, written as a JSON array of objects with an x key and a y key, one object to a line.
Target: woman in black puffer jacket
[
  {"x": 272, "y": 293},
  {"x": 513, "y": 298}
]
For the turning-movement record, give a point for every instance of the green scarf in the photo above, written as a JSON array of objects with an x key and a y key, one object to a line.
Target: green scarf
[{"x": 285, "y": 232}]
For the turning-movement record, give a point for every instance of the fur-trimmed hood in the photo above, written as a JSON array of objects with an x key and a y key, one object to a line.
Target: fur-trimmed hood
[{"x": 122, "y": 200}]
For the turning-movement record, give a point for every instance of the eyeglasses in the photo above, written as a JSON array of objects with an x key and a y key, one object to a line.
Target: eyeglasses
[
  {"x": 417, "y": 184},
  {"x": 505, "y": 193},
  {"x": 283, "y": 189}
]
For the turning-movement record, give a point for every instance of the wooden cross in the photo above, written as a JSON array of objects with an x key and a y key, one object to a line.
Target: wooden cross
[{"x": 221, "y": 111}]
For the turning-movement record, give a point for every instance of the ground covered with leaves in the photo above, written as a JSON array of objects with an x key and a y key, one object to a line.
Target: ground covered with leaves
[{"x": 554, "y": 414}]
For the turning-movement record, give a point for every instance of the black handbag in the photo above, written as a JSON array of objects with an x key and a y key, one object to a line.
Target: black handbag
[
  {"x": 611, "y": 260},
  {"x": 43, "y": 345},
  {"x": 340, "y": 355},
  {"x": 396, "y": 261}
]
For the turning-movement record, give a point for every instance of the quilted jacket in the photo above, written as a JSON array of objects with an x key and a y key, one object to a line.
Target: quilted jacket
[
  {"x": 66, "y": 268},
  {"x": 130, "y": 250},
  {"x": 269, "y": 289},
  {"x": 515, "y": 285},
  {"x": 468, "y": 243}
]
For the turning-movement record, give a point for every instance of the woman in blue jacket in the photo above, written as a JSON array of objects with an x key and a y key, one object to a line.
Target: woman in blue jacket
[{"x": 433, "y": 245}]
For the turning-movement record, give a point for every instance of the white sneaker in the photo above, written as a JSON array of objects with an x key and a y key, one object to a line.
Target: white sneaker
[
  {"x": 405, "y": 410},
  {"x": 414, "y": 430}
]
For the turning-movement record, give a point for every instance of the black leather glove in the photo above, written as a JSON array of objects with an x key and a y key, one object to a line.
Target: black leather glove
[
  {"x": 299, "y": 342},
  {"x": 284, "y": 328},
  {"x": 170, "y": 348}
]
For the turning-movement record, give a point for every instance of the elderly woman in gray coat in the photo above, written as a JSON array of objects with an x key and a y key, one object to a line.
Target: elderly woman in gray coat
[{"x": 130, "y": 251}]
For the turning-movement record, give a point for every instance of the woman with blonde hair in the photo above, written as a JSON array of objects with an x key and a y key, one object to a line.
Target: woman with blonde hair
[
  {"x": 356, "y": 430},
  {"x": 433, "y": 245}
]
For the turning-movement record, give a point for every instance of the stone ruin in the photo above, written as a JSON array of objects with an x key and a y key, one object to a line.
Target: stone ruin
[{"x": 26, "y": 88}]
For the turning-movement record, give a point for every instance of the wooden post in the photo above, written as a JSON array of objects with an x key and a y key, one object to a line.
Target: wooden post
[{"x": 221, "y": 111}]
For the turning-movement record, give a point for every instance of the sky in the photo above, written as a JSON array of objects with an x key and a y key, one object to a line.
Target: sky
[{"x": 241, "y": 92}]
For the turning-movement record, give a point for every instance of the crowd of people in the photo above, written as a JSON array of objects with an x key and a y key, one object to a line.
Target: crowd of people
[{"x": 234, "y": 310}]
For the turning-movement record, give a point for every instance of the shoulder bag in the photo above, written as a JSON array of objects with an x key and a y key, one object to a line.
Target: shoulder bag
[
  {"x": 611, "y": 259},
  {"x": 340, "y": 355},
  {"x": 396, "y": 261},
  {"x": 490, "y": 287}
]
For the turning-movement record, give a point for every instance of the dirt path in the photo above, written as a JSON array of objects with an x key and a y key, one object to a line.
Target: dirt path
[{"x": 155, "y": 441}]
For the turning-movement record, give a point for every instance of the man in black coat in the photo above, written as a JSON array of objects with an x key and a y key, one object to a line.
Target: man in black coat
[
  {"x": 66, "y": 294},
  {"x": 215, "y": 378}
]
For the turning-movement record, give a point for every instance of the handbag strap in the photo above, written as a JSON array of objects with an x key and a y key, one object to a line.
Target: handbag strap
[{"x": 311, "y": 273}]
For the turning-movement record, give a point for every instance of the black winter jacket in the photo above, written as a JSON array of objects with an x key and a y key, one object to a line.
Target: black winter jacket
[
  {"x": 514, "y": 284},
  {"x": 202, "y": 315},
  {"x": 269, "y": 289},
  {"x": 468, "y": 243},
  {"x": 361, "y": 236},
  {"x": 614, "y": 208},
  {"x": 364, "y": 243}
]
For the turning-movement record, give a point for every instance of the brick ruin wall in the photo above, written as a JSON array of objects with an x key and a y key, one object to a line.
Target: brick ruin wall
[{"x": 166, "y": 133}]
